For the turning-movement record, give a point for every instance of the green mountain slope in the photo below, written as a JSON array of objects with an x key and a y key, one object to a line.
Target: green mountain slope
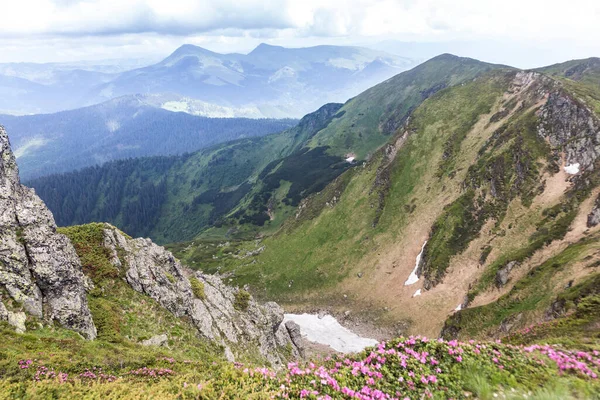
[
  {"x": 248, "y": 187},
  {"x": 172, "y": 198},
  {"x": 489, "y": 180},
  {"x": 372, "y": 117}
]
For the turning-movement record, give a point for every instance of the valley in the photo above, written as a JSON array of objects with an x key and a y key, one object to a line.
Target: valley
[{"x": 437, "y": 235}]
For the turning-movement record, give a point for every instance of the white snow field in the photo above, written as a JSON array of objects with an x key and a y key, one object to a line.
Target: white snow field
[
  {"x": 328, "y": 331},
  {"x": 413, "y": 278}
]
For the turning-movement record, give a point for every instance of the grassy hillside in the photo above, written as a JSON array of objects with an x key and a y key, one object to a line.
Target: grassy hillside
[
  {"x": 51, "y": 362},
  {"x": 248, "y": 187},
  {"x": 171, "y": 198},
  {"x": 470, "y": 181},
  {"x": 371, "y": 118}
]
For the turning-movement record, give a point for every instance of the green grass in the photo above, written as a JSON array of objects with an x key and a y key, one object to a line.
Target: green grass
[
  {"x": 191, "y": 375},
  {"x": 242, "y": 300},
  {"x": 198, "y": 288},
  {"x": 373, "y": 117}
]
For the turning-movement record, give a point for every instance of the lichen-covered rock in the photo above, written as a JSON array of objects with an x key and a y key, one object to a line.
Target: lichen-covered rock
[
  {"x": 152, "y": 270},
  {"x": 295, "y": 334},
  {"x": 38, "y": 267},
  {"x": 17, "y": 320},
  {"x": 3, "y": 312}
]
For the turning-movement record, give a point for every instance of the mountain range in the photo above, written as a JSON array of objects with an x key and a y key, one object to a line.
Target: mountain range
[
  {"x": 482, "y": 170},
  {"x": 253, "y": 184},
  {"x": 270, "y": 81},
  {"x": 125, "y": 127},
  {"x": 458, "y": 200}
]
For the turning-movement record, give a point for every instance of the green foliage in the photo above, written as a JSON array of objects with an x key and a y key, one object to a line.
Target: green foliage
[
  {"x": 150, "y": 196},
  {"x": 170, "y": 277},
  {"x": 371, "y": 118},
  {"x": 122, "y": 315},
  {"x": 197, "y": 288},
  {"x": 242, "y": 300},
  {"x": 140, "y": 132},
  {"x": 106, "y": 318},
  {"x": 451, "y": 234},
  {"x": 95, "y": 258},
  {"x": 450, "y": 370}
]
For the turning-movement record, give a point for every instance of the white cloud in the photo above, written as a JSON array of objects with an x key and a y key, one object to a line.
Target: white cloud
[{"x": 93, "y": 27}]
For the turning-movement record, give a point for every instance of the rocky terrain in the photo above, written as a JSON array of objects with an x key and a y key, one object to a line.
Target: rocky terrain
[
  {"x": 39, "y": 268},
  {"x": 491, "y": 186},
  {"x": 43, "y": 277},
  {"x": 219, "y": 312},
  {"x": 459, "y": 200}
]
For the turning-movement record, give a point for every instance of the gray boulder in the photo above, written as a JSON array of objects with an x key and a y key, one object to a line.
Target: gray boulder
[
  {"x": 38, "y": 267},
  {"x": 158, "y": 340},
  {"x": 503, "y": 274}
]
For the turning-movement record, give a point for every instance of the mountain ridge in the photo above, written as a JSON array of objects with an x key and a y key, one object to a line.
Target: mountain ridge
[{"x": 314, "y": 145}]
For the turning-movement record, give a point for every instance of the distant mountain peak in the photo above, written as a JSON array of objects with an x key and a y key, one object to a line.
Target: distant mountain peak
[{"x": 265, "y": 47}]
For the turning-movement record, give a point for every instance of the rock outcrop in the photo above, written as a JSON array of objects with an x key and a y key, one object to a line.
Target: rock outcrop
[
  {"x": 152, "y": 270},
  {"x": 503, "y": 274},
  {"x": 570, "y": 127},
  {"x": 39, "y": 268},
  {"x": 594, "y": 217}
]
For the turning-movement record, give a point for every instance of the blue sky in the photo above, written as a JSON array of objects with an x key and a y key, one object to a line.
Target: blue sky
[{"x": 510, "y": 31}]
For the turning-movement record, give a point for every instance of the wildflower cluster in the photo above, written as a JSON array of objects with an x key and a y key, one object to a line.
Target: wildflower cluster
[
  {"x": 579, "y": 362},
  {"x": 152, "y": 373},
  {"x": 416, "y": 367},
  {"x": 42, "y": 372},
  {"x": 96, "y": 374}
]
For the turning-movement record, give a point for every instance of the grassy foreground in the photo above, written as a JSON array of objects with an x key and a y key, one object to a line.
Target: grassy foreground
[{"x": 38, "y": 366}]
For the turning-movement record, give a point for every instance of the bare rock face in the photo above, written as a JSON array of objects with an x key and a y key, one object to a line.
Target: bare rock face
[
  {"x": 158, "y": 340},
  {"x": 38, "y": 267},
  {"x": 572, "y": 128},
  {"x": 152, "y": 270}
]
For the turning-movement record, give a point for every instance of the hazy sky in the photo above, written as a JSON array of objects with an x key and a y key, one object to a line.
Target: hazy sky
[{"x": 515, "y": 32}]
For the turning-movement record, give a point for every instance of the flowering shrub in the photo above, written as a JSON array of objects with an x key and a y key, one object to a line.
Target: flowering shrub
[
  {"x": 416, "y": 367},
  {"x": 96, "y": 374},
  {"x": 152, "y": 373},
  {"x": 400, "y": 369}
]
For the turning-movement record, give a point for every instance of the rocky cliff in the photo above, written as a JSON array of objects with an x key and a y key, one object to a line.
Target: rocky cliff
[
  {"x": 40, "y": 272},
  {"x": 41, "y": 276},
  {"x": 221, "y": 313}
]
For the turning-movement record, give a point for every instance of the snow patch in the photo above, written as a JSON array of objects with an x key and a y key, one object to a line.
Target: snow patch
[
  {"x": 328, "y": 331},
  {"x": 350, "y": 159},
  {"x": 413, "y": 277},
  {"x": 417, "y": 293},
  {"x": 572, "y": 169}
]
